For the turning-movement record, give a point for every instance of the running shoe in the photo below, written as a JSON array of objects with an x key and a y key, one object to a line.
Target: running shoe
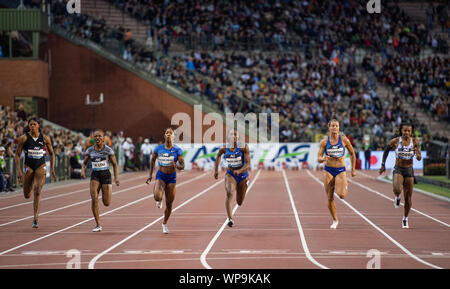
[
  {"x": 165, "y": 229},
  {"x": 35, "y": 224},
  {"x": 334, "y": 225},
  {"x": 159, "y": 204},
  {"x": 405, "y": 224},
  {"x": 397, "y": 202},
  {"x": 97, "y": 229},
  {"x": 230, "y": 223}
]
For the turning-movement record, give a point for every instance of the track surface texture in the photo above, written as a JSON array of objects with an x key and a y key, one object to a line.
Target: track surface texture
[{"x": 282, "y": 224}]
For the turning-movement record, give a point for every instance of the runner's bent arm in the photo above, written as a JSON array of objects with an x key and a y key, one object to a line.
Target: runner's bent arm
[
  {"x": 392, "y": 144},
  {"x": 83, "y": 166},
  {"x": 320, "y": 157},
  {"x": 218, "y": 158},
  {"x": 246, "y": 159},
  {"x": 349, "y": 146},
  {"x": 114, "y": 163},
  {"x": 19, "y": 149},
  {"x": 52, "y": 155},
  {"x": 417, "y": 149},
  {"x": 152, "y": 166}
]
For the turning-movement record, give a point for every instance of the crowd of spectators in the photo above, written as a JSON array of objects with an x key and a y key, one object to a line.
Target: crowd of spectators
[
  {"x": 281, "y": 24},
  {"x": 301, "y": 87},
  {"x": 425, "y": 82}
]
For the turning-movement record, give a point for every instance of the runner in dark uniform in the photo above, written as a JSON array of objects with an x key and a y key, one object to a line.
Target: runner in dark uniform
[
  {"x": 34, "y": 143},
  {"x": 100, "y": 155},
  {"x": 236, "y": 178},
  {"x": 405, "y": 147}
]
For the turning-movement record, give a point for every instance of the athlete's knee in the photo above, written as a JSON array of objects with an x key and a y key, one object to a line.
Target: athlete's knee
[
  {"x": 397, "y": 190},
  {"x": 341, "y": 193},
  {"x": 37, "y": 190},
  {"x": 106, "y": 202}
]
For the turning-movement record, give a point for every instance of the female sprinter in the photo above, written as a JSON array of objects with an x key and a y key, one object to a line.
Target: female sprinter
[
  {"x": 100, "y": 154},
  {"x": 236, "y": 178},
  {"x": 33, "y": 143},
  {"x": 405, "y": 148},
  {"x": 335, "y": 178},
  {"x": 166, "y": 178}
]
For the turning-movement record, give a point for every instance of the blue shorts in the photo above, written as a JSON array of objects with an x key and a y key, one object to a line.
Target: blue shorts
[
  {"x": 167, "y": 178},
  {"x": 239, "y": 178},
  {"x": 335, "y": 171}
]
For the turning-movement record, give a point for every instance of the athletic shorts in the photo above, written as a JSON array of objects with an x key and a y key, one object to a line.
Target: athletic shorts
[
  {"x": 101, "y": 176},
  {"x": 239, "y": 178},
  {"x": 167, "y": 178},
  {"x": 335, "y": 171},
  {"x": 405, "y": 172}
]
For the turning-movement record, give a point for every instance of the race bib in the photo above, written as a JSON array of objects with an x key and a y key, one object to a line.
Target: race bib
[
  {"x": 234, "y": 162},
  {"x": 101, "y": 165},
  {"x": 165, "y": 160},
  {"x": 35, "y": 154}
]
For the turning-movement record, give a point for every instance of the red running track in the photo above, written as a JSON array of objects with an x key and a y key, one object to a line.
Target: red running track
[{"x": 283, "y": 224}]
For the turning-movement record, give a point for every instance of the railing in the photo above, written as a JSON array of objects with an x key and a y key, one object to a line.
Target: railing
[{"x": 63, "y": 169}]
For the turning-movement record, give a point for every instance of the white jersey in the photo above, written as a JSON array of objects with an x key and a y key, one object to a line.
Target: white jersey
[{"x": 404, "y": 152}]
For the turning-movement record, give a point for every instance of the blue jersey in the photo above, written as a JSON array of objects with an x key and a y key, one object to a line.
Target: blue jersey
[
  {"x": 234, "y": 159},
  {"x": 166, "y": 157},
  {"x": 335, "y": 151}
]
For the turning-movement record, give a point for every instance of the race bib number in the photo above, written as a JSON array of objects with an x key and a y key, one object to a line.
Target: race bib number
[
  {"x": 101, "y": 165},
  {"x": 35, "y": 154},
  {"x": 234, "y": 162},
  {"x": 165, "y": 160}
]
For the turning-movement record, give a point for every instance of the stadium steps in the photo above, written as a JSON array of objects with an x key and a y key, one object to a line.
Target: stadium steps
[
  {"x": 429, "y": 121},
  {"x": 114, "y": 17},
  {"x": 417, "y": 12}
]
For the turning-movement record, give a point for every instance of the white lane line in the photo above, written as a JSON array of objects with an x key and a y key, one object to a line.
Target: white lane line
[
  {"x": 432, "y": 195},
  {"x": 62, "y": 195},
  {"x": 68, "y": 206},
  {"x": 92, "y": 218},
  {"x": 299, "y": 226},
  {"x": 82, "y": 182},
  {"x": 94, "y": 260},
  {"x": 214, "y": 239},
  {"x": 390, "y": 199},
  {"x": 378, "y": 228}
]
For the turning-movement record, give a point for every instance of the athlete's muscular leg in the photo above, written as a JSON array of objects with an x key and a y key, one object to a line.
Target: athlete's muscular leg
[
  {"x": 170, "y": 192},
  {"x": 408, "y": 186},
  {"x": 158, "y": 190},
  {"x": 398, "y": 184},
  {"x": 230, "y": 187},
  {"x": 341, "y": 185},
  {"x": 28, "y": 178},
  {"x": 94, "y": 189},
  {"x": 241, "y": 190},
  {"x": 39, "y": 180},
  {"x": 106, "y": 194},
  {"x": 329, "y": 183}
]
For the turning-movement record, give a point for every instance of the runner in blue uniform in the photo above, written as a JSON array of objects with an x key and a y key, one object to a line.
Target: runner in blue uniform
[
  {"x": 33, "y": 143},
  {"x": 100, "y": 155},
  {"x": 168, "y": 154},
  {"x": 236, "y": 177},
  {"x": 405, "y": 147},
  {"x": 335, "y": 177}
]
